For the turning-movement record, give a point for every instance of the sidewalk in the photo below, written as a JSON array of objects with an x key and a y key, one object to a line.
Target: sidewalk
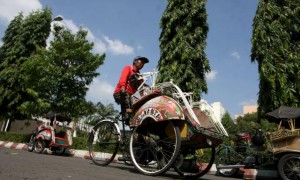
[{"x": 252, "y": 174}]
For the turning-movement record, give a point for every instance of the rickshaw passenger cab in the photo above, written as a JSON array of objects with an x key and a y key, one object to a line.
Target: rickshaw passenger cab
[{"x": 57, "y": 137}]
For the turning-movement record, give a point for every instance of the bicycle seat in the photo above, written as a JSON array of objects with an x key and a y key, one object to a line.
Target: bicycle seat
[
  {"x": 145, "y": 98},
  {"x": 243, "y": 135}
]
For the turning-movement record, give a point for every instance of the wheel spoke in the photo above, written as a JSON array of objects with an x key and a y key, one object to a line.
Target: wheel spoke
[
  {"x": 153, "y": 151},
  {"x": 103, "y": 143}
]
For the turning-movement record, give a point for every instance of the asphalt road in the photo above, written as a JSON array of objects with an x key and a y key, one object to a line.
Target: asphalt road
[{"x": 23, "y": 165}]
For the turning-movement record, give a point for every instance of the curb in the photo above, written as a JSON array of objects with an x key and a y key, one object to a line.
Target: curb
[{"x": 248, "y": 174}]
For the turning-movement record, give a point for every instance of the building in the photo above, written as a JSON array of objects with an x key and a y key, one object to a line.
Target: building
[
  {"x": 247, "y": 110},
  {"x": 218, "y": 109}
]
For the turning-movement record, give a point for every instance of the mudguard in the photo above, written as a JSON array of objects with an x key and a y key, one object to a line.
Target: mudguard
[
  {"x": 159, "y": 108},
  {"x": 44, "y": 135}
]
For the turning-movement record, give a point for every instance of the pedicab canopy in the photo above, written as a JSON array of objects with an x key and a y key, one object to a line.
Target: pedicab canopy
[
  {"x": 287, "y": 136},
  {"x": 285, "y": 112}
]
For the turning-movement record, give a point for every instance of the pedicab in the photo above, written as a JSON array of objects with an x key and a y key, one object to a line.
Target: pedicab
[
  {"x": 57, "y": 137},
  {"x": 169, "y": 130},
  {"x": 284, "y": 143}
]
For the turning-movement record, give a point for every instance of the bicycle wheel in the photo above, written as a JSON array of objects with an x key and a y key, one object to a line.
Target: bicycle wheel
[
  {"x": 154, "y": 147},
  {"x": 39, "y": 146},
  {"x": 104, "y": 142},
  {"x": 226, "y": 156},
  {"x": 195, "y": 163},
  {"x": 289, "y": 166}
]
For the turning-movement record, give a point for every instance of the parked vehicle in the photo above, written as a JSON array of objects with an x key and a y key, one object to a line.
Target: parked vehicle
[
  {"x": 243, "y": 153},
  {"x": 31, "y": 142},
  {"x": 57, "y": 137},
  {"x": 167, "y": 129},
  {"x": 283, "y": 145}
]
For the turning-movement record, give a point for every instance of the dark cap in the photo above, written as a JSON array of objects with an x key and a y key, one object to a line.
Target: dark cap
[{"x": 144, "y": 59}]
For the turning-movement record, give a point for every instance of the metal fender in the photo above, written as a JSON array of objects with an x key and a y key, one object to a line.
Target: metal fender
[
  {"x": 45, "y": 135},
  {"x": 160, "y": 108}
]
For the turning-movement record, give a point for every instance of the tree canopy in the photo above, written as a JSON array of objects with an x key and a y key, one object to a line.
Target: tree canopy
[
  {"x": 58, "y": 77},
  {"x": 21, "y": 40},
  {"x": 35, "y": 79},
  {"x": 182, "y": 44},
  {"x": 276, "y": 49}
]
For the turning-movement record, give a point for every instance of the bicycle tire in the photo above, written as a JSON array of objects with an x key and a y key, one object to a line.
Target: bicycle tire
[
  {"x": 154, "y": 147},
  {"x": 192, "y": 166},
  {"x": 225, "y": 157},
  {"x": 104, "y": 142}
]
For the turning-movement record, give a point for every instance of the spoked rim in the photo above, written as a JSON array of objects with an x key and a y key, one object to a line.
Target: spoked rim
[
  {"x": 39, "y": 146},
  {"x": 103, "y": 143},
  {"x": 154, "y": 147},
  {"x": 226, "y": 158},
  {"x": 194, "y": 164},
  {"x": 289, "y": 167}
]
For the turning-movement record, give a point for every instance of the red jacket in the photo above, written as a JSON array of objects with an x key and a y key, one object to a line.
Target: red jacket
[{"x": 123, "y": 81}]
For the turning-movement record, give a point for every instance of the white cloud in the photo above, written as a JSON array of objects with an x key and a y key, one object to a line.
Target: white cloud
[
  {"x": 100, "y": 46},
  {"x": 236, "y": 55},
  {"x": 100, "y": 91},
  {"x": 211, "y": 75},
  {"x": 140, "y": 47},
  {"x": 117, "y": 47},
  {"x": 11, "y": 8},
  {"x": 70, "y": 25},
  {"x": 248, "y": 102}
]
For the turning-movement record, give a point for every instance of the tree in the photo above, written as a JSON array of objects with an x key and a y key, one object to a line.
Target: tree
[
  {"x": 182, "y": 43},
  {"x": 58, "y": 78},
  {"x": 106, "y": 111},
  {"x": 229, "y": 125},
  {"x": 102, "y": 112},
  {"x": 276, "y": 47},
  {"x": 21, "y": 40}
]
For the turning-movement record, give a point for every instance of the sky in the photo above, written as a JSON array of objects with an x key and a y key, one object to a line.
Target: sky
[{"x": 125, "y": 29}]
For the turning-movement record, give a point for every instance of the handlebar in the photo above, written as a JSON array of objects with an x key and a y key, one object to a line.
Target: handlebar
[{"x": 152, "y": 75}]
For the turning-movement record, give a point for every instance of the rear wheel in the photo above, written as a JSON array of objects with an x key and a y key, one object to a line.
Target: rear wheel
[
  {"x": 154, "y": 147},
  {"x": 39, "y": 146},
  {"x": 104, "y": 143},
  {"x": 195, "y": 163},
  {"x": 289, "y": 167},
  {"x": 59, "y": 151},
  {"x": 225, "y": 157}
]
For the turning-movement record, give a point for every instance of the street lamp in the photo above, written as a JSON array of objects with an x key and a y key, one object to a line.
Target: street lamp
[
  {"x": 58, "y": 26},
  {"x": 58, "y": 18}
]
